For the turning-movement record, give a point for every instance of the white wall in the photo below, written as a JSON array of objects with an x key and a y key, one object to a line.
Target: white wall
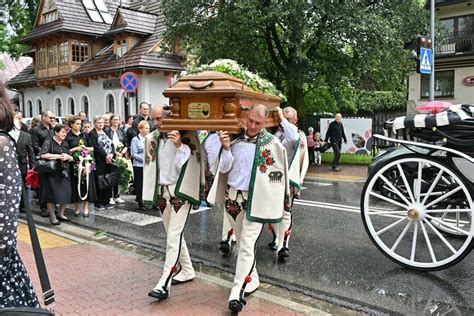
[
  {"x": 462, "y": 93},
  {"x": 150, "y": 90}
]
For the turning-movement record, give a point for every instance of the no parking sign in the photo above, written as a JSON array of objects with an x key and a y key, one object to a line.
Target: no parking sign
[{"x": 129, "y": 82}]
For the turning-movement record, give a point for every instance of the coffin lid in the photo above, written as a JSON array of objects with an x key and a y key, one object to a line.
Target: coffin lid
[{"x": 213, "y": 82}]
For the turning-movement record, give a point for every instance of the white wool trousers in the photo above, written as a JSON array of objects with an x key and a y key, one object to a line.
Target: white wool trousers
[
  {"x": 283, "y": 229},
  {"x": 178, "y": 263},
  {"x": 247, "y": 234}
]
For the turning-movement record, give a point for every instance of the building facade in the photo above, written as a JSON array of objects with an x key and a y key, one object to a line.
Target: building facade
[
  {"x": 454, "y": 56},
  {"x": 80, "y": 48}
]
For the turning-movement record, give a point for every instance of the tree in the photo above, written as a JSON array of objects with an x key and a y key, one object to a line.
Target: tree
[
  {"x": 16, "y": 20},
  {"x": 306, "y": 48}
]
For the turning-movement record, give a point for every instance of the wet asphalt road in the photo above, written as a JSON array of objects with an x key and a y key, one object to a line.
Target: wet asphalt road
[{"x": 332, "y": 257}]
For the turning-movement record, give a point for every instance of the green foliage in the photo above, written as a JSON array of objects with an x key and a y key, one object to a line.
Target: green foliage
[
  {"x": 368, "y": 101},
  {"x": 16, "y": 20},
  {"x": 317, "y": 52},
  {"x": 231, "y": 67},
  {"x": 350, "y": 159}
]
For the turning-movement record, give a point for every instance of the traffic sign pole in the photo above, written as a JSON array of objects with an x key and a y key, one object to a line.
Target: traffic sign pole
[{"x": 432, "y": 76}]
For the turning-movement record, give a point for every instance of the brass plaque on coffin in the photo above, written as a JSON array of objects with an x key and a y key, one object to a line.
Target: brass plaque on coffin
[{"x": 199, "y": 110}]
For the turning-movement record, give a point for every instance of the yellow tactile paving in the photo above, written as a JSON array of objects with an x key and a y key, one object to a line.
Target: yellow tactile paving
[
  {"x": 335, "y": 176},
  {"x": 47, "y": 240}
]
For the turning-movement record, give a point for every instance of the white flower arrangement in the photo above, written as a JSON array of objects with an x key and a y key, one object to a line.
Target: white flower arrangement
[{"x": 232, "y": 68}]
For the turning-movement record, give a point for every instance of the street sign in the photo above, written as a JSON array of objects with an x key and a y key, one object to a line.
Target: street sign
[
  {"x": 129, "y": 82},
  {"x": 425, "y": 60}
]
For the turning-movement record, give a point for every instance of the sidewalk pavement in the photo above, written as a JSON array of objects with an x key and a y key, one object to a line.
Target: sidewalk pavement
[
  {"x": 98, "y": 275},
  {"x": 348, "y": 172}
]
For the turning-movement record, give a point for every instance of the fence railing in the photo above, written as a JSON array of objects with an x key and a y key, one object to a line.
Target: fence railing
[{"x": 455, "y": 42}]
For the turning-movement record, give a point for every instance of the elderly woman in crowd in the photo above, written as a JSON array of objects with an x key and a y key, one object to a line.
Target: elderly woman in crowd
[
  {"x": 57, "y": 188},
  {"x": 117, "y": 135},
  {"x": 137, "y": 153},
  {"x": 78, "y": 144},
  {"x": 104, "y": 153}
]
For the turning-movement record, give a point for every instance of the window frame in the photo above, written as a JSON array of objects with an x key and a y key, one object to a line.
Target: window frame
[
  {"x": 437, "y": 72},
  {"x": 52, "y": 52}
]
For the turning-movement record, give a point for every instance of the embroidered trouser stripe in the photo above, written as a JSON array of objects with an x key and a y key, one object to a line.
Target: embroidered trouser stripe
[
  {"x": 226, "y": 223},
  {"x": 247, "y": 236},
  {"x": 176, "y": 249},
  {"x": 285, "y": 227}
]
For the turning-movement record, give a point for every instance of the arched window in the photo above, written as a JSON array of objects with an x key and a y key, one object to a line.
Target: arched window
[
  {"x": 29, "y": 105},
  {"x": 72, "y": 106},
  {"x": 59, "y": 107},
  {"x": 110, "y": 104},
  {"x": 85, "y": 105},
  {"x": 39, "y": 105}
]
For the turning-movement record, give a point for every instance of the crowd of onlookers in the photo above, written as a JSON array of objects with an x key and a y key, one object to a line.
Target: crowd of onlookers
[{"x": 83, "y": 154}]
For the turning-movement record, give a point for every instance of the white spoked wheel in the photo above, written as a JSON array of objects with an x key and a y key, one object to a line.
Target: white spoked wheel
[{"x": 418, "y": 212}]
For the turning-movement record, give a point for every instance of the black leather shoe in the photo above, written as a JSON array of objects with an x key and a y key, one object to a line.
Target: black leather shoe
[
  {"x": 224, "y": 247},
  {"x": 44, "y": 213},
  {"x": 177, "y": 282},
  {"x": 235, "y": 306},
  {"x": 273, "y": 246},
  {"x": 159, "y": 295},
  {"x": 284, "y": 253}
]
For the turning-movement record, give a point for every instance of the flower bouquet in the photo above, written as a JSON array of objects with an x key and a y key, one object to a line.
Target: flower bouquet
[
  {"x": 84, "y": 164},
  {"x": 232, "y": 68},
  {"x": 125, "y": 170}
]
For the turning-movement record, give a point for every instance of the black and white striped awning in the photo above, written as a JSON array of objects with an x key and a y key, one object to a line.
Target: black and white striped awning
[{"x": 455, "y": 114}]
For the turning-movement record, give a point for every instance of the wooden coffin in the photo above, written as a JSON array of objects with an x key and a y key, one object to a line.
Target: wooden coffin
[{"x": 212, "y": 100}]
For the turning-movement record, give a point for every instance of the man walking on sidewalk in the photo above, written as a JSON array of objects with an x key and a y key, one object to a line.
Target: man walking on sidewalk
[
  {"x": 171, "y": 182},
  {"x": 335, "y": 135},
  {"x": 253, "y": 182}
]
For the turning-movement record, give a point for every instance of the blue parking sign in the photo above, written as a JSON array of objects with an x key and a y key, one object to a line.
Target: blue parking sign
[{"x": 426, "y": 61}]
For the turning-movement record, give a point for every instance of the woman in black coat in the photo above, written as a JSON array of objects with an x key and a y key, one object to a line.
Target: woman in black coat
[
  {"x": 78, "y": 144},
  {"x": 57, "y": 188},
  {"x": 117, "y": 135},
  {"x": 104, "y": 153}
]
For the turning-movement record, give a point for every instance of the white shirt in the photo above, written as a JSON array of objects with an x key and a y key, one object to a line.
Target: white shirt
[
  {"x": 288, "y": 137},
  {"x": 15, "y": 133},
  {"x": 115, "y": 138},
  {"x": 212, "y": 146},
  {"x": 171, "y": 160},
  {"x": 239, "y": 161}
]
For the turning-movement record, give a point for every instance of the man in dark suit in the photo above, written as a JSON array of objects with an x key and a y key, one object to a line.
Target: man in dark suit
[
  {"x": 335, "y": 135},
  {"x": 24, "y": 150},
  {"x": 144, "y": 109},
  {"x": 38, "y": 135}
]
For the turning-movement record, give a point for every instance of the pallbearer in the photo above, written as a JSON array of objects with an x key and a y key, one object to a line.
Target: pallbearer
[
  {"x": 171, "y": 182},
  {"x": 253, "y": 182},
  {"x": 212, "y": 147},
  {"x": 296, "y": 147}
]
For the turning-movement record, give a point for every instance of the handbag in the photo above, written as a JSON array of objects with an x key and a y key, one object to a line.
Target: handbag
[
  {"x": 48, "y": 293},
  {"x": 108, "y": 180},
  {"x": 45, "y": 166}
]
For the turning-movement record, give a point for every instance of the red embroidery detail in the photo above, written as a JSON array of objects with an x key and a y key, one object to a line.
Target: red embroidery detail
[
  {"x": 270, "y": 227},
  {"x": 263, "y": 168},
  {"x": 173, "y": 269},
  {"x": 269, "y": 161},
  {"x": 230, "y": 232},
  {"x": 248, "y": 279},
  {"x": 265, "y": 154},
  {"x": 287, "y": 233}
]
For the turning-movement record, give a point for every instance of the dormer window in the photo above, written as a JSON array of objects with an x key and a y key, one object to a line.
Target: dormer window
[
  {"x": 50, "y": 12},
  {"x": 121, "y": 48},
  {"x": 97, "y": 11}
]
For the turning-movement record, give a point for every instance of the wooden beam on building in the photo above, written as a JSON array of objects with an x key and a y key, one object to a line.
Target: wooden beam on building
[
  {"x": 82, "y": 81},
  {"x": 94, "y": 77}
]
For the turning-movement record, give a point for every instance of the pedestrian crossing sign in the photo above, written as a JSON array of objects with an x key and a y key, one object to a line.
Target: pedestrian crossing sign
[{"x": 425, "y": 63}]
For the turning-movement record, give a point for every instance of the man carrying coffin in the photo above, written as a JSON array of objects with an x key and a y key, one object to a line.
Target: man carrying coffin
[
  {"x": 294, "y": 142},
  {"x": 171, "y": 181},
  {"x": 253, "y": 182}
]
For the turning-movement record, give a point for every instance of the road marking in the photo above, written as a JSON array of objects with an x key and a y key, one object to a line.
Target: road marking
[{"x": 136, "y": 218}]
